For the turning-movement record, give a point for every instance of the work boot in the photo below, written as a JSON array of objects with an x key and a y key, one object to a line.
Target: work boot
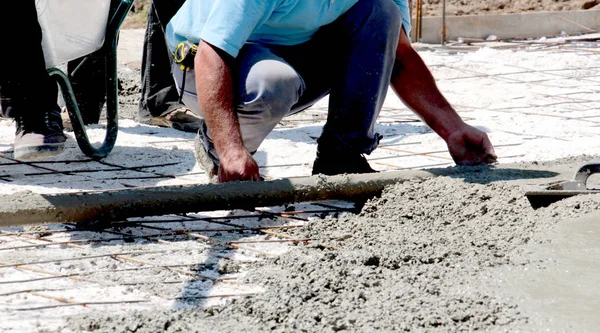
[
  {"x": 336, "y": 162},
  {"x": 39, "y": 138},
  {"x": 180, "y": 119},
  {"x": 206, "y": 155}
]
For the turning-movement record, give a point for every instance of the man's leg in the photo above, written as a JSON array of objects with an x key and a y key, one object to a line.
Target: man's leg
[
  {"x": 159, "y": 95},
  {"x": 268, "y": 88},
  {"x": 27, "y": 93},
  {"x": 364, "y": 42}
]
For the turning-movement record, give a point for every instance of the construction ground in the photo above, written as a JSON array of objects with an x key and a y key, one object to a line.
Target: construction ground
[{"x": 460, "y": 250}]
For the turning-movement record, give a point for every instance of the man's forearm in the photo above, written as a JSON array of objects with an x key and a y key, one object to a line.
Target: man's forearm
[
  {"x": 413, "y": 83},
  {"x": 215, "y": 94}
]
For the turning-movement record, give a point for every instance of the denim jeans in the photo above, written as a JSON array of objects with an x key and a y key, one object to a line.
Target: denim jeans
[
  {"x": 159, "y": 94},
  {"x": 350, "y": 59}
]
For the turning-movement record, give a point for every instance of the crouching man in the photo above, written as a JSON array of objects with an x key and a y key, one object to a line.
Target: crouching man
[{"x": 261, "y": 60}]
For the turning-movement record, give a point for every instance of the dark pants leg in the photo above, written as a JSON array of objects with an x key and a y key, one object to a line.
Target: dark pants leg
[
  {"x": 26, "y": 89},
  {"x": 366, "y": 38},
  {"x": 159, "y": 94}
]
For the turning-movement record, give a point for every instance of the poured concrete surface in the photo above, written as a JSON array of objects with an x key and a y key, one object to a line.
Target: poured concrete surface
[
  {"x": 449, "y": 253},
  {"x": 561, "y": 291}
]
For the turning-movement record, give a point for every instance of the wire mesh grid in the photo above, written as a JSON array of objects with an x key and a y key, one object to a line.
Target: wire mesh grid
[{"x": 170, "y": 261}]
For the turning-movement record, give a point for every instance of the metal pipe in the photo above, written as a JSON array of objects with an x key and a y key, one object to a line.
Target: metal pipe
[
  {"x": 443, "y": 22},
  {"x": 417, "y": 21},
  {"x": 31, "y": 208},
  {"x": 420, "y": 21}
]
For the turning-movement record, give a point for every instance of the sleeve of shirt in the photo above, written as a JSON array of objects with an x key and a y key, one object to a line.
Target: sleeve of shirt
[
  {"x": 231, "y": 22},
  {"x": 405, "y": 10}
]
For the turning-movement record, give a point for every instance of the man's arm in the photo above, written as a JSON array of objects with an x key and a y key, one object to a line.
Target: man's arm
[
  {"x": 214, "y": 84},
  {"x": 413, "y": 83}
]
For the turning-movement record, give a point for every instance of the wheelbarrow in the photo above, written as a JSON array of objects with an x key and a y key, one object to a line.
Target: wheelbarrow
[
  {"x": 117, "y": 10},
  {"x": 545, "y": 195}
]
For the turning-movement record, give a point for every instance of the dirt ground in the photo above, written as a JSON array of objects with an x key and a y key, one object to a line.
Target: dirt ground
[{"x": 438, "y": 254}]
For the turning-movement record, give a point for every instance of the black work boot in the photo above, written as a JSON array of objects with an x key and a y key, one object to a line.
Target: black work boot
[
  {"x": 39, "y": 138},
  {"x": 332, "y": 161}
]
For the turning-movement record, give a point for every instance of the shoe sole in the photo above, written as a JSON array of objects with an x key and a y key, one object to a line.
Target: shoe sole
[
  {"x": 38, "y": 152},
  {"x": 204, "y": 160}
]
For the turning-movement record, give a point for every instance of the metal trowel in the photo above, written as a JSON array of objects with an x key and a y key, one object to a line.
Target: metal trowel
[{"x": 544, "y": 195}]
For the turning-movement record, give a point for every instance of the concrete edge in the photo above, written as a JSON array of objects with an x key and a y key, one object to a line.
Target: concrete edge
[{"x": 510, "y": 26}]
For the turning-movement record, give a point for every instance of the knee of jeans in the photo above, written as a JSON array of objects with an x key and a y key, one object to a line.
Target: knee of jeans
[
  {"x": 267, "y": 97},
  {"x": 389, "y": 16}
]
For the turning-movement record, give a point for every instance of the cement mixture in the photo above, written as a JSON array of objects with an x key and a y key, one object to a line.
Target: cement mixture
[{"x": 428, "y": 255}]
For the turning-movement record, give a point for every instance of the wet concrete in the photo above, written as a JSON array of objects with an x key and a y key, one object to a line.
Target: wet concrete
[
  {"x": 459, "y": 252},
  {"x": 561, "y": 292}
]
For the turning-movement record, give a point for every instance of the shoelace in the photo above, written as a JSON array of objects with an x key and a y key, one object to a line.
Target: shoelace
[{"x": 29, "y": 127}]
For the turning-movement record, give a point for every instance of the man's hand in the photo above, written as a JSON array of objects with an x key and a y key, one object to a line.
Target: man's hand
[
  {"x": 238, "y": 165},
  {"x": 470, "y": 146}
]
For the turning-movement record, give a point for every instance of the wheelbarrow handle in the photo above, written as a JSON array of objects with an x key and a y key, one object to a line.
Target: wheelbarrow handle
[{"x": 586, "y": 170}]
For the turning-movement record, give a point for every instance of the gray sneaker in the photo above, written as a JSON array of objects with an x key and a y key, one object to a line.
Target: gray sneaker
[
  {"x": 35, "y": 139},
  {"x": 206, "y": 155}
]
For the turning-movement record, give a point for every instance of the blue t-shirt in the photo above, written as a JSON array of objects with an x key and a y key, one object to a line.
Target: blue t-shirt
[{"x": 229, "y": 24}]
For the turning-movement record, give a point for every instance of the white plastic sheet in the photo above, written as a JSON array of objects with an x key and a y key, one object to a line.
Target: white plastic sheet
[{"x": 71, "y": 28}]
